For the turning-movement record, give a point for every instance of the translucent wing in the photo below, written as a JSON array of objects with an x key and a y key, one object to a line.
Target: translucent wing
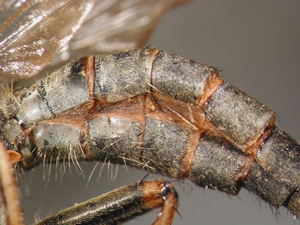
[{"x": 33, "y": 32}]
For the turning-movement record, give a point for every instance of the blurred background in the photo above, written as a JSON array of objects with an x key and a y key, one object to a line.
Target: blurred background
[{"x": 256, "y": 44}]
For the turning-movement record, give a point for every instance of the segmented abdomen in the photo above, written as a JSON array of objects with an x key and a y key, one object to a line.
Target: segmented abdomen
[{"x": 160, "y": 112}]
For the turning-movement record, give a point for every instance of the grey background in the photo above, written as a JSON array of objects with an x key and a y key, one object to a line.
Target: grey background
[{"x": 257, "y": 46}]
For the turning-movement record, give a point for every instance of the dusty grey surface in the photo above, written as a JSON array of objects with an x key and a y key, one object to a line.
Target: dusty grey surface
[{"x": 257, "y": 46}]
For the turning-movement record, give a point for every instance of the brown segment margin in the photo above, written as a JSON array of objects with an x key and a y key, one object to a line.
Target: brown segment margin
[{"x": 211, "y": 86}]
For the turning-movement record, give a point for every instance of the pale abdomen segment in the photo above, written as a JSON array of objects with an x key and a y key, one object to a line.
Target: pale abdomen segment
[{"x": 163, "y": 113}]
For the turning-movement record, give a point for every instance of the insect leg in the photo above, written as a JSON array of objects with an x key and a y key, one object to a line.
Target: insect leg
[
  {"x": 10, "y": 211},
  {"x": 122, "y": 204}
]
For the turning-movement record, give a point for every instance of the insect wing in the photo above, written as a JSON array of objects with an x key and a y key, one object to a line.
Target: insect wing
[{"x": 32, "y": 33}]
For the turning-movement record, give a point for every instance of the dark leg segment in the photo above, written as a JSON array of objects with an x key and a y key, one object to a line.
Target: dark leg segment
[{"x": 122, "y": 204}]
